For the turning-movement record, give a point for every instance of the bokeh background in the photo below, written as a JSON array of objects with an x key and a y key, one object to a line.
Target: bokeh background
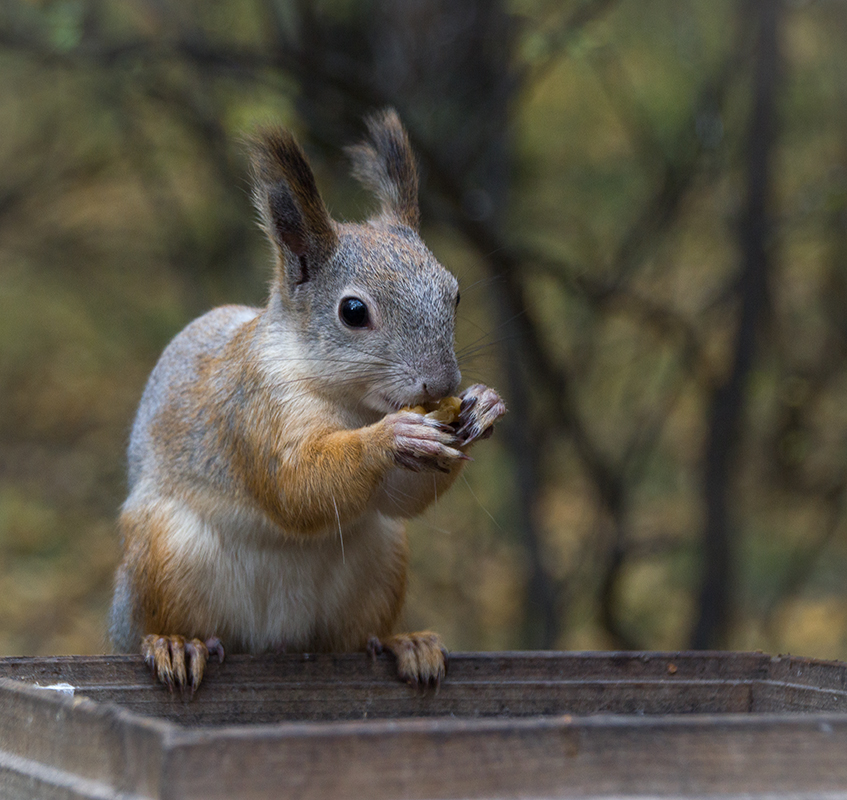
[{"x": 645, "y": 202}]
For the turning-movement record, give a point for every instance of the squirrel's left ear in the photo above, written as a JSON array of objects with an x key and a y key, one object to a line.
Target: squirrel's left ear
[
  {"x": 293, "y": 214},
  {"x": 384, "y": 163}
]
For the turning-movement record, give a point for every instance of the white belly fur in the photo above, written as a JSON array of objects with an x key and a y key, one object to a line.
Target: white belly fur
[{"x": 265, "y": 590}]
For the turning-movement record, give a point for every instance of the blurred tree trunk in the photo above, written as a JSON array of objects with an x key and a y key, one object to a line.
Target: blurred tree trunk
[
  {"x": 459, "y": 90},
  {"x": 541, "y": 625},
  {"x": 475, "y": 146},
  {"x": 714, "y": 612}
]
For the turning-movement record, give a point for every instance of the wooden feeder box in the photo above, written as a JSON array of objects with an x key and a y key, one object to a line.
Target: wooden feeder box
[{"x": 529, "y": 725}]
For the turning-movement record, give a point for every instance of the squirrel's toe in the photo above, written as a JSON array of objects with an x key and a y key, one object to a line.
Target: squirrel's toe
[
  {"x": 177, "y": 663},
  {"x": 421, "y": 657}
]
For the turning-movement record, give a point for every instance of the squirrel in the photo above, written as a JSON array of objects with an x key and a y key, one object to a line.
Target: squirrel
[{"x": 274, "y": 460}]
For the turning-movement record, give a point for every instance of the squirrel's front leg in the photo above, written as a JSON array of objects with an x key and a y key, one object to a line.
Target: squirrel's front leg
[
  {"x": 407, "y": 493},
  {"x": 335, "y": 476}
]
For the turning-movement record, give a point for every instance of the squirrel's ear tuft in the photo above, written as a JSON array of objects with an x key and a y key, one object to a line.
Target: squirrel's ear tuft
[
  {"x": 285, "y": 193},
  {"x": 384, "y": 163}
]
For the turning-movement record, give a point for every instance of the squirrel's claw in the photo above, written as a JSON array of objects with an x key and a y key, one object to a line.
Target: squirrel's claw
[
  {"x": 421, "y": 657},
  {"x": 215, "y": 648},
  {"x": 424, "y": 444},
  {"x": 374, "y": 647},
  {"x": 481, "y": 408},
  {"x": 177, "y": 663}
]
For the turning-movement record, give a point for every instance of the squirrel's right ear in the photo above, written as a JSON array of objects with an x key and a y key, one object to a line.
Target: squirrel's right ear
[
  {"x": 384, "y": 162},
  {"x": 293, "y": 214}
]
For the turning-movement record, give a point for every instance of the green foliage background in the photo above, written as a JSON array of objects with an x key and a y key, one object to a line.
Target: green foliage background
[{"x": 624, "y": 147}]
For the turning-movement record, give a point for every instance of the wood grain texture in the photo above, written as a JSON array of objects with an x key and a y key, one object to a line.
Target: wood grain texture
[{"x": 503, "y": 725}]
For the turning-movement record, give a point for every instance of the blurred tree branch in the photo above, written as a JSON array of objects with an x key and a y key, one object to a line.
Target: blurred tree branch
[{"x": 727, "y": 404}]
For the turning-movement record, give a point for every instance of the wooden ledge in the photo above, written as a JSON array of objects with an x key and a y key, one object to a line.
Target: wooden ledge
[{"x": 503, "y": 724}]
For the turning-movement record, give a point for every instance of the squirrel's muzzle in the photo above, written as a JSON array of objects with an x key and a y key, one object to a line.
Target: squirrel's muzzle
[{"x": 440, "y": 384}]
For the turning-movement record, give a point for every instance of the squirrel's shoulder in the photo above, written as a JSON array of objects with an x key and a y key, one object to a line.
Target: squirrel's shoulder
[
  {"x": 214, "y": 327},
  {"x": 204, "y": 337},
  {"x": 184, "y": 362}
]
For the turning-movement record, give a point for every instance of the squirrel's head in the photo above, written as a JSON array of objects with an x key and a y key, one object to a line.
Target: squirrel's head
[{"x": 370, "y": 305}]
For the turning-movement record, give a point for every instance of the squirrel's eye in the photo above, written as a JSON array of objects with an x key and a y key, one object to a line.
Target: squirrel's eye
[{"x": 353, "y": 312}]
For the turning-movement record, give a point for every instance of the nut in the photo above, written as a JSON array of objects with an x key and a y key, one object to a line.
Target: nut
[{"x": 445, "y": 410}]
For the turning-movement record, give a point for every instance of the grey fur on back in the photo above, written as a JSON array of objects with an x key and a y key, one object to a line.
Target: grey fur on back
[{"x": 173, "y": 376}]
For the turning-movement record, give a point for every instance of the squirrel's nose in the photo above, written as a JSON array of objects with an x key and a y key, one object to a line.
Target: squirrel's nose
[{"x": 443, "y": 385}]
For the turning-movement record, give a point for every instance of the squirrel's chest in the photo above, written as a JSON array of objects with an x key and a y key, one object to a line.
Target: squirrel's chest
[{"x": 259, "y": 590}]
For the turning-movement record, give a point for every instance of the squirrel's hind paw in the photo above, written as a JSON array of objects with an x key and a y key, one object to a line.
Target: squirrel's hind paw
[
  {"x": 179, "y": 663},
  {"x": 421, "y": 657}
]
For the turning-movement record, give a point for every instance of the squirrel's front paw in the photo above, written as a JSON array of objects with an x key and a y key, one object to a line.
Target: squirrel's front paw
[
  {"x": 421, "y": 443},
  {"x": 177, "y": 662},
  {"x": 481, "y": 408},
  {"x": 421, "y": 657}
]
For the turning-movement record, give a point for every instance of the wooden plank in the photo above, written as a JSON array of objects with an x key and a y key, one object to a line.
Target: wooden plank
[
  {"x": 535, "y": 757},
  {"x": 311, "y": 702},
  {"x": 432, "y": 745},
  {"x": 551, "y": 757},
  {"x": 814, "y": 673},
  {"x": 247, "y": 690},
  {"x": 498, "y": 667},
  {"x": 76, "y": 746},
  {"x": 277, "y": 688},
  {"x": 772, "y": 696}
]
